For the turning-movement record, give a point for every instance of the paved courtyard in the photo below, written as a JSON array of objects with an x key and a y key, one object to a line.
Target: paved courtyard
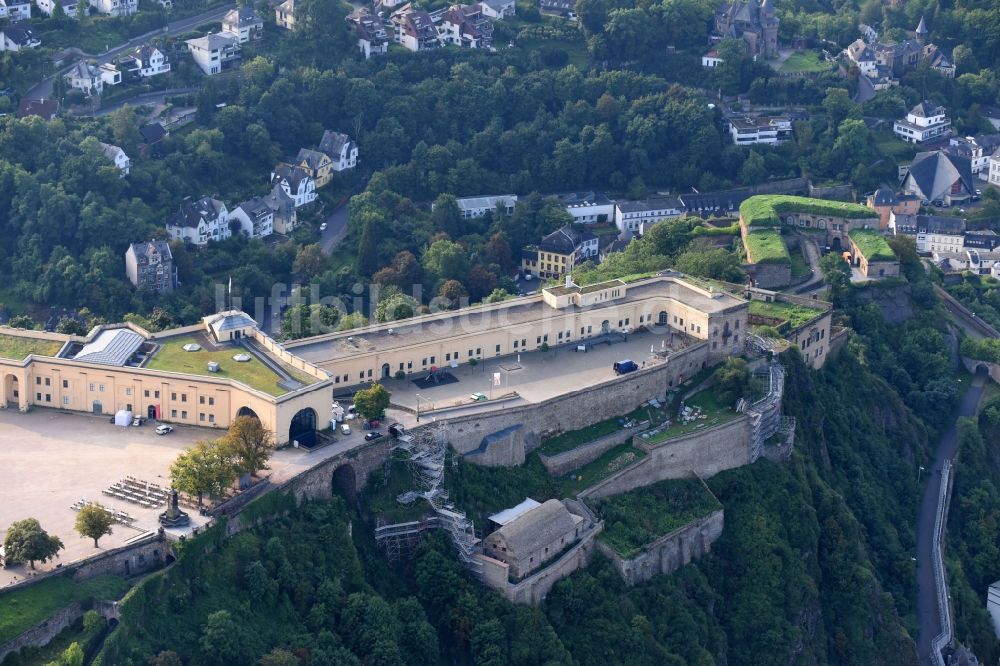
[
  {"x": 534, "y": 376},
  {"x": 50, "y": 459}
]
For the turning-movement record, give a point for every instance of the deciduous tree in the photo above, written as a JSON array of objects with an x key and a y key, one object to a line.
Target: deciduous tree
[
  {"x": 372, "y": 402},
  {"x": 205, "y": 468},
  {"x": 93, "y": 521},
  {"x": 26, "y": 541},
  {"x": 249, "y": 444}
]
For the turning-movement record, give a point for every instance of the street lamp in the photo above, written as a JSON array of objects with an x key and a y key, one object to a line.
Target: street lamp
[{"x": 919, "y": 470}]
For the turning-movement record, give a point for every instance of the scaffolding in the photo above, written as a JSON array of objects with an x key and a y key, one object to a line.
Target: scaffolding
[
  {"x": 427, "y": 449},
  {"x": 765, "y": 414}
]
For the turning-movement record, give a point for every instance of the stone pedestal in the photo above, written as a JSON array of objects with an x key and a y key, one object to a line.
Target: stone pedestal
[{"x": 173, "y": 516}]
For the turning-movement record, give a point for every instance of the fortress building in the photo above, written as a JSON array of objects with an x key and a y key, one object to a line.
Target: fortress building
[{"x": 755, "y": 24}]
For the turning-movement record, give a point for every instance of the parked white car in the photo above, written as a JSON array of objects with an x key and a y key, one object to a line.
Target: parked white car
[{"x": 345, "y": 429}]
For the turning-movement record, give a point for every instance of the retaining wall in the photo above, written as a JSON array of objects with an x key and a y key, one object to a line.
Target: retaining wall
[
  {"x": 43, "y": 632},
  {"x": 563, "y": 463},
  {"x": 992, "y": 369},
  {"x": 668, "y": 553},
  {"x": 570, "y": 411},
  {"x": 706, "y": 453}
]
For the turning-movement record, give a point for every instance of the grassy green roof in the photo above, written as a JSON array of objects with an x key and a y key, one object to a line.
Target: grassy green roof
[
  {"x": 763, "y": 210},
  {"x": 172, "y": 357},
  {"x": 872, "y": 245},
  {"x": 764, "y": 246},
  {"x": 796, "y": 315},
  {"x": 17, "y": 347}
]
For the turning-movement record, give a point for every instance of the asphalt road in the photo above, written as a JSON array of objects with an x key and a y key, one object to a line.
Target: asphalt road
[
  {"x": 927, "y": 612},
  {"x": 43, "y": 89},
  {"x": 336, "y": 229},
  {"x": 152, "y": 98}
]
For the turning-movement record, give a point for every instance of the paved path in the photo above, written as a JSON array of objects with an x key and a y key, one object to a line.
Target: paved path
[
  {"x": 336, "y": 229},
  {"x": 812, "y": 256},
  {"x": 928, "y": 620},
  {"x": 43, "y": 89},
  {"x": 865, "y": 90},
  {"x": 155, "y": 97}
]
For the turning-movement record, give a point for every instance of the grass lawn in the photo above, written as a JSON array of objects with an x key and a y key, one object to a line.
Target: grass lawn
[
  {"x": 635, "y": 519},
  {"x": 715, "y": 413},
  {"x": 23, "y": 608},
  {"x": 766, "y": 247},
  {"x": 172, "y": 357},
  {"x": 763, "y": 210},
  {"x": 805, "y": 61},
  {"x": 872, "y": 244},
  {"x": 892, "y": 146},
  {"x": 574, "y": 438},
  {"x": 17, "y": 348},
  {"x": 612, "y": 461},
  {"x": 800, "y": 267},
  {"x": 795, "y": 315},
  {"x": 576, "y": 49}
]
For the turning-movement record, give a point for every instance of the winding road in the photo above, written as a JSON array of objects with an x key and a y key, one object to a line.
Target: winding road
[{"x": 43, "y": 89}]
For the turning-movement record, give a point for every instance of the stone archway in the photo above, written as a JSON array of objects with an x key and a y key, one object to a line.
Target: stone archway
[
  {"x": 662, "y": 321},
  {"x": 11, "y": 391},
  {"x": 345, "y": 482},
  {"x": 983, "y": 369},
  {"x": 303, "y": 427},
  {"x": 385, "y": 371},
  {"x": 835, "y": 244},
  {"x": 246, "y": 411}
]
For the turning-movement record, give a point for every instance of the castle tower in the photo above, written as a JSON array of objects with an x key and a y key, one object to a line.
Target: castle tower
[
  {"x": 922, "y": 32},
  {"x": 769, "y": 29}
]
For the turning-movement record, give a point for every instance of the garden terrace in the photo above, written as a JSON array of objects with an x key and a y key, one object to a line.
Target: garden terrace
[
  {"x": 19, "y": 347},
  {"x": 872, "y": 245},
  {"x": 791, "y": 315},
  {"x": 765, "y": 210},
  {"x": 636, "y": 519},
  {"x": 766, "y": 247},
  {"x": 172, "y": 357},
  {"x": 714, "y": 411}
]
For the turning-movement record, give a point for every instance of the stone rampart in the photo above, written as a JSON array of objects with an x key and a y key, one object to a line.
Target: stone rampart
[
  {"x": 770, "y": 275},
  {"x": 563, "y": 463},
  {"x": 705, "y": 452},
  {"x": 570, "y": 411},
  {"x": 973, "y": 365},
  {"x": 668, "y": 553},
  {"x": 43, "y": 632}
]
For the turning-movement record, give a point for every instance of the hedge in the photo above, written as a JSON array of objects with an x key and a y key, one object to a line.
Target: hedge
[
  {"x": 766, "y": 247},
  {"x": 763, "y": 210},
  {"x": 872, "y": 245}
]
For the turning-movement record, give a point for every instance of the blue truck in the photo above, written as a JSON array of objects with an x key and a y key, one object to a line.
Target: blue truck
[{"x": 621, "y": 367}]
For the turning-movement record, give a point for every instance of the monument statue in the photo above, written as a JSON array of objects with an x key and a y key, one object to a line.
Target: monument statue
[{"x": 173, "y": 516}]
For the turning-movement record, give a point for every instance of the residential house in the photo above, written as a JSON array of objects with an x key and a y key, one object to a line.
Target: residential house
[
  {"x": 993, "y": 176},
  {"x": 750, "y": 130},
  {"x": 243, "y": 23},
  {"x": 254, "y": 217},
  {"x": 91, "y": 79},
  {"x": 938, "y": 176},
  {"x": 473, "y": 207},
  {"x": 342, "y": 152},
  {"x": 883, "y": 79},
  {"x": 924, "y": 122},
  {"x": 296, "y": 183},
  {"x": 982, "y": 239},
  {"x": 588, "y": 207},
  {"x": 977, "y": 150},
  {"x": 284, "y": 15},
  {"x": 629, "y": 215},
  {"x": 146, "y": 61},
  {"x": 318, "y": 165},
  {"x": 18, "y": 36},
  {"x": 498, "y": 9},
  {"x": 215, "y": 53},
  {"x": 559, "y": 252},
  {"x": 898, "y": 58},
  {"x": 115, "y": 7},
  {"x": 885, "y": 202},
  {"x": 15, "y": 10},
  {"x": 534, "y": 537},
  {"x": 43, "y": 108},
  {"x": 933, "y": 233},
  {"x": 980, "y": 262},
  {"x": 70, "y": 8},
  {"x": 414, "y": 28},
  {"x": 372, "y": 37},
  {"x": 150, "y": 266},
  {"x": 939, "y": 61},
  {"x": 153, "y": 133},
  {"x": 756, "y": 24},
  {"x": 118, "y": 156},
  {"x": 711, "y": 59},
  {"x": 617, "y": 245},
  {"x": 863, "y": 57},
  {"x": 199, "y": 221},
  {"x": 465, "y": 26},
  {"x": 284, "y": 217}
]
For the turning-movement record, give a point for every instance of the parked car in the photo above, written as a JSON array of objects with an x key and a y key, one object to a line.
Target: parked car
[
  {"x": 322, "y": 227},
  {"x": 372, "y": 436},
  {"x": 137, "y": 421},
  {"x": 621, "y": 367},
  {"x": 345, "y": 429},
  {"x": 478, "y": 397},
  {"x": 163, "y": 429}
]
